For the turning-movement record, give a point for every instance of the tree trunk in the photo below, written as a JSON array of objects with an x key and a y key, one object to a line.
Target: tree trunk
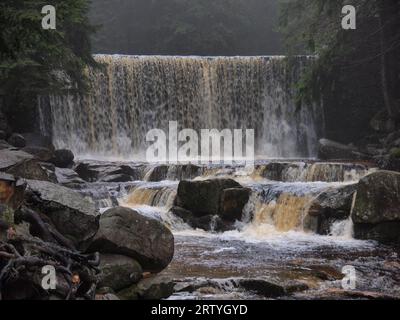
[{"x": 389, "y": 15}]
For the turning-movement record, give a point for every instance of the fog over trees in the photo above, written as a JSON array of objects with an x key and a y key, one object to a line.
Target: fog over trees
[{"x": 186, "y": 27}]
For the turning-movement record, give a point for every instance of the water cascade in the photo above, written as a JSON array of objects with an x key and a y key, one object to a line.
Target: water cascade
[{"x": 131, "y": 95}]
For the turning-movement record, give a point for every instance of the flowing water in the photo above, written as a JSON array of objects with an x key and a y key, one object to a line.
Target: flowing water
[
  {"x": 271, "y": 244},
  {"x": 132, "y": 95}
]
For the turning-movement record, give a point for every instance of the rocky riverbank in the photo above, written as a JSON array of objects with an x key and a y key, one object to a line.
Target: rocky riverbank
[
  {"x": 74, "y": 216},
  {"x": 43, "y": 223}
]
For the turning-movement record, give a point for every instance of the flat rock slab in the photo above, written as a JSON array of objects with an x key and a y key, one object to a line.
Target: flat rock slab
[
  {"x": 73, "y": 215},
  {"x": 10, "y": 158}
]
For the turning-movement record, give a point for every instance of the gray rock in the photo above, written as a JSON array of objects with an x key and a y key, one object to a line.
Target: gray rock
[
  {"x": 17, "y": 140},
  {"x": 33, "y": 170},
  {"x": 212, "y": 205},
  {"x": 233, "y": 201},
  {"x": 376, "y": 212},
  {"x": 109, "y": 297},
  {"x": 3, "y": 135},
  {"x": 63, "y": 158},
  {"x": 36, "y": 140},
  {"x": 203, "y": 198},
  {"x": 331, "y": 150},
  {"x": 40, "y": 153},
  {"x": 103, "y": 171},
  {"x": 10, "y": 158},
  {"x": 22, "y": 164},
  {"x": 263, "y": 287},
  {"x": 73, "y": 216},
  {"x": 120, "y": 177},
  {"x": 157, "y": 173},
  {"x": 330, "y": 206},
  {"x": 124, "y": 231},
  {"x": 68, "y": 177},
  {"x": 378, "y": 198},
  {"x": 209, "y": 223},
  {"x": 5, "y": 145},
  {"x": 119, "y": 272},
  {"x": 172, "y": 172}
]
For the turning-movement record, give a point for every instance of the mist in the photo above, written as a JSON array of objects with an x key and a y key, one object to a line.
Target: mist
[{"x": 186, "y": 27}]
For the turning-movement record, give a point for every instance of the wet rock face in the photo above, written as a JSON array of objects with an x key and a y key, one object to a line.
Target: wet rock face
[
  {"x": 203, "y": 197},
  {"x": 173, "y": 172},
  {"x": 330, "y": 206},
  {"x": 155, "y": 288},
  {"x": 119, "y": 272},
  {"x": 233, "y": 201},
  {"x": 24, "y": 165},
  {"x": 376, "y": 211},
  {"x": 124, "y": 231},
  {"x": 157, "y": 173},
  {"x": 211, "y": 204},
  {"x": 68, "y": 177},
  {"x": 17, "y": 140},
  {"x": 63, "y": 158},
  {"x": 331, "y": 150},
  {"x": 33, "y": 170},
  {"x": 40, "y": 153},
  {"x": 310, "y": 172},
  {"x": 73, "y": 215},
  {"x": 107, "y": 172},
  {"x": 10, "y": 158}
]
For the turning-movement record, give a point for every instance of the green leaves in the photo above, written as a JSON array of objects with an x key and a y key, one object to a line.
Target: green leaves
[{"x": 29, "y": 55}]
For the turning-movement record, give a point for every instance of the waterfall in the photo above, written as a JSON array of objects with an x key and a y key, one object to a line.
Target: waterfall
[{"x": 131, "y": 95}]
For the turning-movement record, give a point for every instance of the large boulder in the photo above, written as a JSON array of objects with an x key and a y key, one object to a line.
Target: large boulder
[
  {"x": 376, "y": 211},
  {"x": 74, "y": 216},
  {"x": 211, "y": 202},
  {"x": 203, "y": 197},
  {"x": 17, "y": 140},
  {"x": 63, "y": 158},
  {"x": 331, "y": 150},
  {"x": 119, "y": 272},
  {"x": 332, "y": 205},
  {"x": 23, "y": 165},
  {"x": 125, "y": 231}
]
